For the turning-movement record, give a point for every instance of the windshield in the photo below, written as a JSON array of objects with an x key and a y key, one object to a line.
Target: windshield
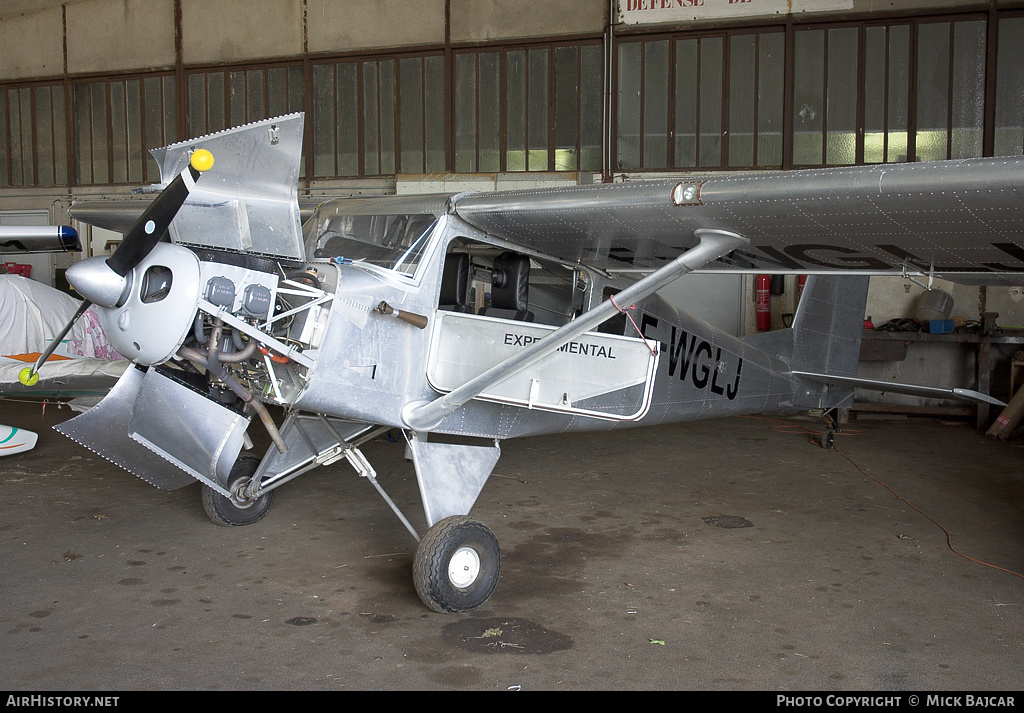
[{"x": 392, "y": 241}]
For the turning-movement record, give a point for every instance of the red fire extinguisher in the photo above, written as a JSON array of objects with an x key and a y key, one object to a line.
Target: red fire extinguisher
[
  {"x": 800, "y": 281},
  {"x": 763, "y": 302}
]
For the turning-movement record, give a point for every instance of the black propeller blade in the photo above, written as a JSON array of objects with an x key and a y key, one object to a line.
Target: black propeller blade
[
  {"x": 92, "y": 278},
  {"x": 154, "y": 221}
]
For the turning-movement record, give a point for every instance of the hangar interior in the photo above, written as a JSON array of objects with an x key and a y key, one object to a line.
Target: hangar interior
[
  {"x": 453, "y": 95},
  {"x": 445, "y": 96}
]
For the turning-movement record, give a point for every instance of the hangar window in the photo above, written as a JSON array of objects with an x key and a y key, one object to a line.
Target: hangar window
[
  {"x": 536, "y": 108},
  {"x": 1009, "y": 103},
  {"x": 887, "y": 93},
  {"x": 912, "y": 89},
  {"x": 116, "y": 122},
  {"x": 379, "y": 117},
  {"x": 218, "y": 100},
  {"x": 757, "y": 95},
  {"x": 708, "y": 101},
  {"x": 34, "y": 152},
  {"x": 824, "y": 107},
  {"x": 950, "y": 90},
  {"x": 857, "y": 98}
]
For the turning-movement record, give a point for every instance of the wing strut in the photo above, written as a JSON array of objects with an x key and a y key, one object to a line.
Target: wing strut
[{"x": 424, "y": 416}]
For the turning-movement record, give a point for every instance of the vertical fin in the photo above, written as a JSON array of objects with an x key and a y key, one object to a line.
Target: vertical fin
[
  {"x": 825, "y": 337},
  {"x": 829, "y": 323}
]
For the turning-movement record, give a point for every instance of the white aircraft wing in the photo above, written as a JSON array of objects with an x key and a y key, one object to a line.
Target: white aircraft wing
[
  {"x": 22, "y": 239},
  {"x": 963, "y": 220}
]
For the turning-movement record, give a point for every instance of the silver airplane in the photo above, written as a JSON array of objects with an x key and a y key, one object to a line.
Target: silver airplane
[{"x": 488, "y": 316}]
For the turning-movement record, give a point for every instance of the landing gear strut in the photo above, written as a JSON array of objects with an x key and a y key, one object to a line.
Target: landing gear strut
[{"x": 827, "y": 438}]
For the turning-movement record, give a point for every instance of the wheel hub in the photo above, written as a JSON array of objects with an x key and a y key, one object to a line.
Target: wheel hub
[
  {"x": 239, "y": 494},
  {"x": 464, "y": 567}
]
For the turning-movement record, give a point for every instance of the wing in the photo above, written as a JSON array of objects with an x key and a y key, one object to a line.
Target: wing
[
  {"x": 246, "y": 202},
  {"x": 120, "y": 215},
  {"x": 962, "y": 220},
  {"x": 38, "y": 239}
]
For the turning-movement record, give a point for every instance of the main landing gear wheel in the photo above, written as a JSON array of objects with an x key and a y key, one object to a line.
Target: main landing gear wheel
[
  {"x": 457, "y": 565},
  {"x": 237, "y": 510}
]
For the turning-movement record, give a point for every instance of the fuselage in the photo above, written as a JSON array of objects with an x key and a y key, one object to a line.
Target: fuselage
[{"x": 369, "y": 367}]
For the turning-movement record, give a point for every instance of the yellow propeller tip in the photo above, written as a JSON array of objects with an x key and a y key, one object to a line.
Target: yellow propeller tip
[
  {"x": 27, "y": 377},
  {"x": 202, "y": 160}
]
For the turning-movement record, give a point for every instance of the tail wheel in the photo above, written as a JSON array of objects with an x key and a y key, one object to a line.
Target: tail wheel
[
  {"x": 237, "y": 510},
  {"x": 457, "y": 565}
]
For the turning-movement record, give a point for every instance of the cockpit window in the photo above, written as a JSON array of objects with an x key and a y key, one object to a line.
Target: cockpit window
[{"x": 392, "y": 241}]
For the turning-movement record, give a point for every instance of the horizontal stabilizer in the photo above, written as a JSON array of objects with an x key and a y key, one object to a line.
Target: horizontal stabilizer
[{"x": 912, "y": 389}]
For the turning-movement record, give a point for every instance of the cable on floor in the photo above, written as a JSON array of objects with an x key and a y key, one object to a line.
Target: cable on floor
[{"x": 788, "y": 427}]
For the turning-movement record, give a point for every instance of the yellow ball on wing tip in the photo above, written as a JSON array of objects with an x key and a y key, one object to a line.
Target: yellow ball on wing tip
[
  {"x": 27, "y": 377},
  {"x": 202, "y": 160}
]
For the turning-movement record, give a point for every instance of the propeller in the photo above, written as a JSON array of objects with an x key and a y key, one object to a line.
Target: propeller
[{"x": 105, "y": 282}]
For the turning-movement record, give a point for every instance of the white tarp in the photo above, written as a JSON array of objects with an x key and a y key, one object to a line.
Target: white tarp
[{"x": 31, "y": 314}]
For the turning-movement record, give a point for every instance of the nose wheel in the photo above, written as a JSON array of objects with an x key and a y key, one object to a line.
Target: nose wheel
[
  {"x": 457, "y": 565},
  {"x": 238, "y": 509}
]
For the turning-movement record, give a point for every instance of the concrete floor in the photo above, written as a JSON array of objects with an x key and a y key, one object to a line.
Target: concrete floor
[{"x": 722, "y": 555}]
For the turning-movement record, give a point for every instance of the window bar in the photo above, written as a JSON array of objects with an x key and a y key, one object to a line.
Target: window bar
[
  {"x": 357, "y": 114},
  {"x": 477, "y": 163},
  {"x": 858, "y": 150},
  {"x": 912, "y": 85},
  {"x": 698, "y": 102},
  {"x": 33, "y": 158},
  {"x": 988, "y": 139},
  {"x": 641, "y": 130},
  {"x": 824, "y": 96},
  {"x": 5, "y": 179},
  {"x": 526, "y": 110},
  {"x": 788, "y": 110},
  {"x": 423, "y": 111},
  {"x": 361, "y": 165},
  {"x": 887, "y": 58},
  {"x": 396, "y": 110},
  {"x": 670, "y": 106},
  {"x": 551, "y": 110},
  {"x": 756, "y": 127},
  {"x": 502, "y": 112},
  {"x": 949, "y": 90},
  {"x": 144, "y": 139},
  {"x": 109, "y": 129}
]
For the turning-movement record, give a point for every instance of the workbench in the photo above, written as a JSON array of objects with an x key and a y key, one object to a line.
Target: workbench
[{"x": 892, "y": 346}]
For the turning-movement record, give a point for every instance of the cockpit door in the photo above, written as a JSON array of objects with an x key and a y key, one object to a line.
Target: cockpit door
[{"x": 599, "y": 375}]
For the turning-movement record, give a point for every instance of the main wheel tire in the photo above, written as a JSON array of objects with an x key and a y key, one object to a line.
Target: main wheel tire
[
  {"x": 236, "y": 511},
  {"x": 457, "y": 565}
]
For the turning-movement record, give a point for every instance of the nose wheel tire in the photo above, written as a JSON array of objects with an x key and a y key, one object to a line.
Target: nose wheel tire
[
  {"x": 237, "y": 510},
  {"x": 457, "y": 565}
]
